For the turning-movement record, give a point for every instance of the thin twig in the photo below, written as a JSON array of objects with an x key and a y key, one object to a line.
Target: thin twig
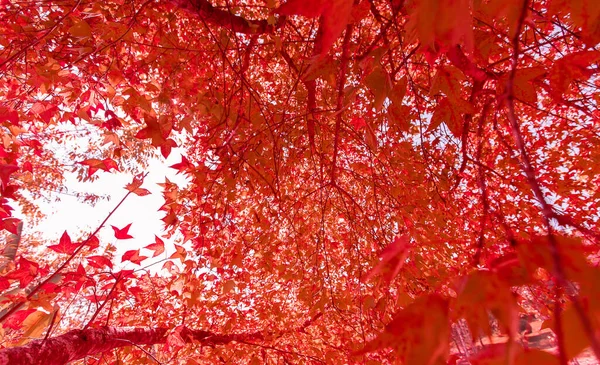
[
  {"x": 5, "y": 314},
  {"x": 340, "y": 98},
  {"x": 548, "y": 212}
]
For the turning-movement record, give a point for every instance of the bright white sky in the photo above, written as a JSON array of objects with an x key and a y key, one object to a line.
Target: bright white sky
[{"x": 142, "y": 211}]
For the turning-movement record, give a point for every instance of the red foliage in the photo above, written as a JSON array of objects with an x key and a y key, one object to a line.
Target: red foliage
[{"x": 366, "y": 181}]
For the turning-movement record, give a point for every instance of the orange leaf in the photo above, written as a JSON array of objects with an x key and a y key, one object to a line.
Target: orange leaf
[
  {"x": 158, "y": 131},
  {"x": 95, "y": 165},
  {"x": 134, "y": 186},
  {"x": 157, "y": 247}
]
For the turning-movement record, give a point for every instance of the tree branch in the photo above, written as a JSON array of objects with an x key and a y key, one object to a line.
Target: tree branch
[
  {"x": 55, "y": 276},
  {"x": 340, "y": 98},
  {"x": 11, "y": 248},
  {"x": 77, "y": 344},
  {"x": 225, "y": 19},
  {"x": 547, "y": 210}
]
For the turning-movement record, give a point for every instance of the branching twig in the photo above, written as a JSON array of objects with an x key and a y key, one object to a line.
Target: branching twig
[
  {"x": 340, "y": 97},
  {"x": 482, "y": 185},
  {"x": 38, "y": 40},
  {"x": 7, "y": 312},
  {"x": 547, "y": 210},
  {"x": 99, "y": 309}
]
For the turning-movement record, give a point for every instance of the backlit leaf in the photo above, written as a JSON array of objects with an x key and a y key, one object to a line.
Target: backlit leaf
[
  {"x": 133, "y": 256},
  {"x": 122, "y": 233},
  {"x": 65, "y": 245}
]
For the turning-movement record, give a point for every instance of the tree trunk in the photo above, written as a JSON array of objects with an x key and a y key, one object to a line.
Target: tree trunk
[{"x": 77, "y": 344}]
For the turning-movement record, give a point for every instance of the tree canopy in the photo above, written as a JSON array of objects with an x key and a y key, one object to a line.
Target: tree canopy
[{"x": 363, "y": 176}]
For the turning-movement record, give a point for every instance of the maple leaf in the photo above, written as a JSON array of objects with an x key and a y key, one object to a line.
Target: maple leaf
[
  {"x": 112, "y": 122},
  {"x": 134, "y": 186},
  {"x": 418, "y": 332},
  {"x": 27, "y": 166},
  {"x": 572, "y": 67},
  {"x": 379, "y": 83},
  {"x": 165, "y": 148},
  {"x": 170, "y": 219},
  {"x": 393, "y": 257},
  {"x": 122, "y": 233},
  {"x": 450, "y": 112},
  {"x": 182, "y": 166},
  {"x": 99, "y": 262},
  {"x": 5, "y": 172},
  {"x": 442, "y": 22},
  {"x": 180, "y": 253},
  {"x": 11, "y": 225},
  {"x": 16, "y": 320},
  {"x": 157, "y": 247},
  {"x": 65, "y": 245},
  {"x": 156, "y": 130},
  {"x": 35, "y": 324},
  {"x": 26, "y": 272},
  {"x": 9, "y": 115},
  {"x": 95, "y": 164},
  {"x": 133, "y": 256},
  {"x": 45, "y": 111},
  {"x": 81, "y": 29},
  {"x": 92, "y": 242},
  {"x": 79, "y": 278},
  {"x": 9, "y": 192},
  {"x": 485, "y": 292},
  {"x": 336, "y": 15},
  {"x": 175, "y": 339}
]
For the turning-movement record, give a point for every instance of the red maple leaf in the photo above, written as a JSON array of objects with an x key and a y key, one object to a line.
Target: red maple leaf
[
  {"x": 165, "y": 148},
  {"x": 182, "y": 166},
  {"x": 133, "y": 256},
  {"x": 92, "y": 242},
  {"x": 16, "y": 320},
  {"x": 27, "y": 166},
  {"x": 158, "y": 247},
  {"x": 10, "y": 115},
  {"x": 122, "y": 233},
  {"x": 99, "y": 262},
  {"x": 26, "y": 272},
  {"x": 393, "y": 258},
  {"x": 64, "y": 245},
  {"x": 10, "y": 224},
  {"x": 5, "y": 172},
  {"x": 135, "y": 188},
  {"x": 112, "y": 121},
  {"x": 170, "y": 219},
  {"x": 157, "y": 131}
]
